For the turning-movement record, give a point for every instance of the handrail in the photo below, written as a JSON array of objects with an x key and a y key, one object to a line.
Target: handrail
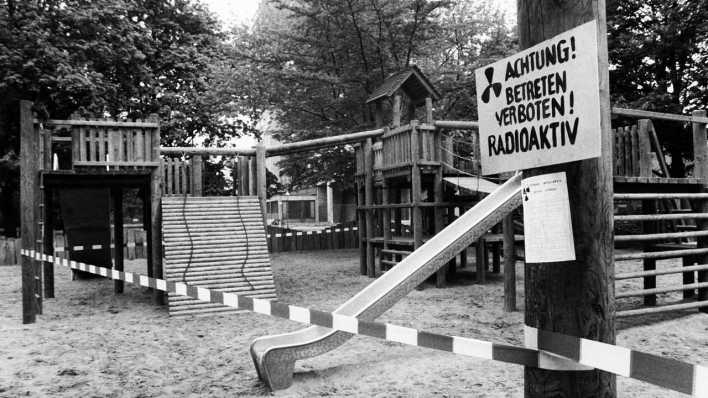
[
  {"x": 658, "y": 115},
  {"x": 301, "y": 146},
  {"x": 186, "y": 150}
]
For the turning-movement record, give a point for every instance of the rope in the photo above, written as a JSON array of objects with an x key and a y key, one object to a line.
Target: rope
[
  {"x": 189, "y": 233},
  {"x": 245, "y": 233}
]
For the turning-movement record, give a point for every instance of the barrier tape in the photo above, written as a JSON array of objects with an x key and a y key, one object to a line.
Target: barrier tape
[
  {"x": 80, "y": 248},
  {"x": 544, "y": 349},
  {"x": 326, "y": 231}
]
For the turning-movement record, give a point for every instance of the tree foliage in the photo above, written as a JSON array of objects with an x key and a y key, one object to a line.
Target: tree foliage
[
  {"x": 659, "y": 61},
  {"x": 117, "y": 58},
  {"x": 322, "y": 58}
]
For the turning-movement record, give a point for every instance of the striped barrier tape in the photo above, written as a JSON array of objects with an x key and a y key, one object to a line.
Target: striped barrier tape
[
  {"x": 326, "y": 231},
  {"x": 544, "y": 349},
  {"x": 79, "y": 248}
]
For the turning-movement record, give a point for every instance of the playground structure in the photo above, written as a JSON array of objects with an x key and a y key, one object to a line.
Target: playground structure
[
  {"x": 398, "y": 161},
  {"x": 275, "y": 356}
]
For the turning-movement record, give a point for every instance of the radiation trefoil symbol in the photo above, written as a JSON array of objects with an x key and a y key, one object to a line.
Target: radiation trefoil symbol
[{"x": 496, "y": 87}]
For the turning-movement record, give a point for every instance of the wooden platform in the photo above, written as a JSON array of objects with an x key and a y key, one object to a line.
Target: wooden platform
[{"x": 215, "y": 242}]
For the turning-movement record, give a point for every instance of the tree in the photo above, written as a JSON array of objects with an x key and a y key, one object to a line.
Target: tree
[
  {"x": 322, "y": 59},
  {"x": 124, "y": 58},
  {"x": 658, "y": 52}
]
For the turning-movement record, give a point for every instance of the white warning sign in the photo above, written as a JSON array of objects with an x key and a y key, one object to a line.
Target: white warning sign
[
  {"x": 541, "y": 106},
  {"x": 549, "y": 236}
]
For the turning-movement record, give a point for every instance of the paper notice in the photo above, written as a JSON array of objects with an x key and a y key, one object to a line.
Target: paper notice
[{"x": 548, "y": 235}]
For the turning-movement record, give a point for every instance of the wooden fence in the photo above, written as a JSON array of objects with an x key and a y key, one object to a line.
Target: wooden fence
[
  {"x": 338, "y": 237},
  {"x": 10, "y": 250}
]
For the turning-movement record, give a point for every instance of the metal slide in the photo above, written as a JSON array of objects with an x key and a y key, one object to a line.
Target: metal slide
[{"x": 274, "y": 356}]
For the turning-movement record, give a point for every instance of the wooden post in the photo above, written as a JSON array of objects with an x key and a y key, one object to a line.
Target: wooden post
[
  {"x": 386, "y": 220},
  {"x": 369, "y": 213},
  {"x": 575, "y": 297},
  {"x": 688, "y": 277},
  {"x": 396, "y": 111},
  {"x": 197, "y": 175},
  {"x": 438, "y": 212},
  {"x": 48, "y": 268},
  {"x": 481, "y": 260},
  {"x": 429, "y": 112},
  {"x": 261, "y": 185},
  {"x": 118, "y": 238},
  {"x": 155, "y": 240},
  {"x": 700, "y": 153},
  {"x": 29, "y": 190},
  {"x": 509, "y": 264},
  {"x": 416, "y": 189}
]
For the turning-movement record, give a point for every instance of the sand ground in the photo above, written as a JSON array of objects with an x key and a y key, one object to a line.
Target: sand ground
[{"x": 92, "y": 343}]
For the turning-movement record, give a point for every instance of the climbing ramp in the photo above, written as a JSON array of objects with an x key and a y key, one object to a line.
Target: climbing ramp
[{"x": 216, "y": 242}]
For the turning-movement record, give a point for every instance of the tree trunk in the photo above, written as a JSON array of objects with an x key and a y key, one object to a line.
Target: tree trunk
[{"x": 575, "y": 297}]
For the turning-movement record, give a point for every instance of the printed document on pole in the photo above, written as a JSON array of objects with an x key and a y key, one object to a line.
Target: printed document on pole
[
  {"x": 541, "y": 106},
  {"x": 549, "y": 230}
]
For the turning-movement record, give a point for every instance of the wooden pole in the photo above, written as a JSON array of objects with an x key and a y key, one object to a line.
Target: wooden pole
[
  {"x": 361, "y": 221},
  {"x": 509, "y": 264},
  {"x": 416, "y": 189},
  {"x": 155, "y": 242},
  {"x": 700, "y": 153},
  {"x": 48, "y": 270},
  {"x": 118, "y": 240},
  {"x": 386, "y": 220},
  {"x": 575, "y": 297},
  {"x": 369, "y": 200},
  {"x": 29, "y": 188},
  {"x": 261, "y": 184},
  {"x": 438, "y": 212}
]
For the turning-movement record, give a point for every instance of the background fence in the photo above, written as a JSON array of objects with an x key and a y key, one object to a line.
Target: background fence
[{"x": 344, "y": 236}]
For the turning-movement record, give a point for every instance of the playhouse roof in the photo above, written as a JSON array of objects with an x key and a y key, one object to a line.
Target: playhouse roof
[{"x": 413, "y": 83}]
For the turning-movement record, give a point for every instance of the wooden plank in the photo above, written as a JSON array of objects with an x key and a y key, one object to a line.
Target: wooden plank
[
  {"x": 95, "y": 123},
  {"x": 663, "y": 308},
  {"x": 644, "y": 148},
  {"x": 635, "y": 151}
]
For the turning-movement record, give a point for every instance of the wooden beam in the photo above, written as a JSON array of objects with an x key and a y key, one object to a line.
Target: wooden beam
[
  {"x": 165, "y": 150},
  {"x": 197, "y": 175},
  {"x": 155, "y": 242},
  {"x": 694, "y": 118},
  {"x": 261, "y": 184},
  {"x": 575, "y": 297},
  {"x": 48, "y": 266},
  {"x": 118, "y": 239},
  {"x": 318, "y": 143},
  {"x": 369, "y": 214},
  {"x": 29, "y": 188},
  {"x": 509, "y": 264}
]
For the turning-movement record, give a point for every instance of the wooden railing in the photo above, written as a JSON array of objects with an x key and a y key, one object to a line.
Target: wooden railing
[
  {"x": 117, "y": 144},
  {"x": 632, "y": 154},
  {"x": 396, "y": 147}
]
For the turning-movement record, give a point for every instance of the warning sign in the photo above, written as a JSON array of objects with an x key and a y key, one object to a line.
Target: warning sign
[{"x": 542, "y": 105}]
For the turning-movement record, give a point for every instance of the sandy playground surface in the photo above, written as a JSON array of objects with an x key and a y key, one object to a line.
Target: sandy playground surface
[{"x": 91, "y": 343}]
